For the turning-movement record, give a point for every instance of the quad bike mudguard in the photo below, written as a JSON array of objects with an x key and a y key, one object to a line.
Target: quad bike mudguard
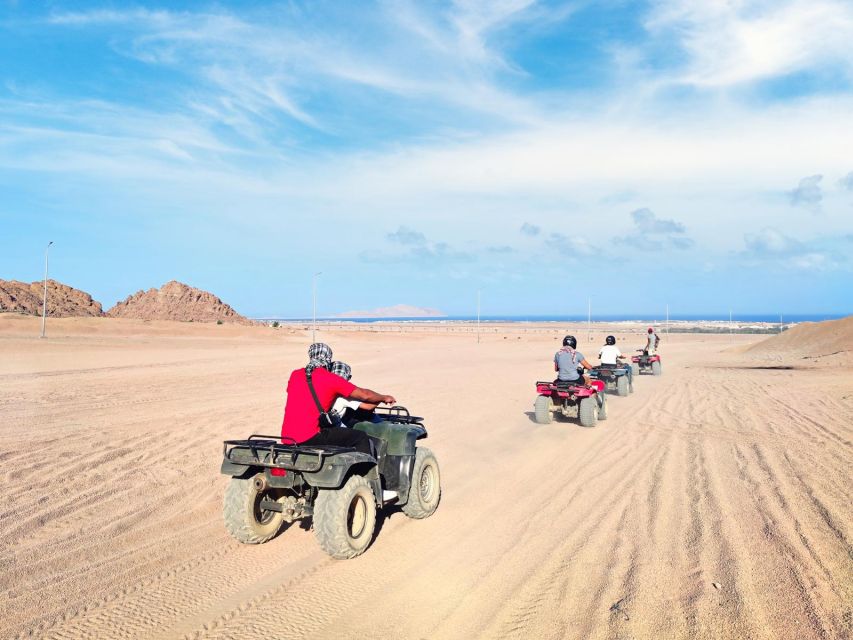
[{"x": 398, "y": 452}]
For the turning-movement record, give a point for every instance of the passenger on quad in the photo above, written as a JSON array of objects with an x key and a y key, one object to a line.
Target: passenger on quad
[
  {"x": 652, "y": 342},
  {"x": 345, "y": 412},
  {"x": 570, "y": 363},
  {"x": 306, "y": 409},
  {"x": 610, "y": 353}
]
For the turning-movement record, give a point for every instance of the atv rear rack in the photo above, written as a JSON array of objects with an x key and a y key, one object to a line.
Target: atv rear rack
[{"x": 269, "y": 452}]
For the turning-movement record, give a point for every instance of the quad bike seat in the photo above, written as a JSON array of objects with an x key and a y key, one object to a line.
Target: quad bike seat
[{"x": 566, "y": 384}]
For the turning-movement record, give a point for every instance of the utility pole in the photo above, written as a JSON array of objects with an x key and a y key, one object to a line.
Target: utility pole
[
  {"x": 44, "y": 301},
  {"x": 780, "y": 323},
  {"x": 478, "y": 316},
  {"x": 314, "y": 305},
  {"x": 588, "y": 320}
]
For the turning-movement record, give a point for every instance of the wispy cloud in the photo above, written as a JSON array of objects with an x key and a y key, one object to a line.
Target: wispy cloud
[
  {"x": 572, "y": 247},
  {"x": 411, "y": 246},
  {"x": 807, "y": 193},
  {"x": 770, "y": 246},
  {"x": 733, "y": 43},
  {"x": 530, "y": 230},
  {"x": 654, "y": 234},
  {"x": 405, "y": 235}
]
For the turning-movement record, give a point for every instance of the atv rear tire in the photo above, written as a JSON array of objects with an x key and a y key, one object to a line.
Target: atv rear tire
[
  {"x": 425, "y": 492},
  {"x": 244, "y": 518},
  {"x": 588, "y": 412},
  {"x": 344, "y": 518},
  {"x": 602, "y": 405},
  {"x": 622, "y": 386},
  {"x": 542, "y": 409},
  {"x": 656, "y": 368}
]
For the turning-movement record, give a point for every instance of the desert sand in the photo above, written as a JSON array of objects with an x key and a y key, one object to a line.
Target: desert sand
[{"x": 715, "y": 502}]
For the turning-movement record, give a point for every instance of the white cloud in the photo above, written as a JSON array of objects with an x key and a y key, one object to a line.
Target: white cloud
[{"x": 740, "y": 41}]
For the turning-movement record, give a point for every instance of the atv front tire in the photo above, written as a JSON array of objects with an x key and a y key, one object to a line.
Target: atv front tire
[
  {"x": 244, "y": 518},
  {"x": 622, "y": 386},
  {"x": 588, "y": 412},
  {"x": 542, "y": 409},
  {"x": 425, "y": 491},
  {"x": 656, "y": 368},
  {"x": 344, "y": 518}
]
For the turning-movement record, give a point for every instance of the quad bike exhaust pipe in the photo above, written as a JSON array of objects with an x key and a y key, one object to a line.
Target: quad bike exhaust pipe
[{"x": 260, "y": 483}]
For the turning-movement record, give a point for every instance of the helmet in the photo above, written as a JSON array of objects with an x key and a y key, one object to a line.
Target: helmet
[
  {"x": 651, "y": 330},
  {"x": 570, "y": 341},
  {"x": 610, "y": 340}
]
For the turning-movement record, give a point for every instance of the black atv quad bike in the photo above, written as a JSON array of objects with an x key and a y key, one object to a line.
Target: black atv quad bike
[
  {"x": 339, "y": 487},
  {"x": 618, "y": 378}
]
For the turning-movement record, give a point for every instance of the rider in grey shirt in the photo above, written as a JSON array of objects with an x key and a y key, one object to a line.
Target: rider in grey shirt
[{"x": 567, "y": 361}]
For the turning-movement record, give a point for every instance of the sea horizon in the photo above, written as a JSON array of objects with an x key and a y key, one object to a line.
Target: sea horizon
[{"x": 765, "y": 318}]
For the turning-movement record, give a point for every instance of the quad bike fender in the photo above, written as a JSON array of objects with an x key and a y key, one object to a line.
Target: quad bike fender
[
  {"x": 337, "y": 469},
  {"x": 401, "y": 439},
  {"x": 235, "y": 470}
]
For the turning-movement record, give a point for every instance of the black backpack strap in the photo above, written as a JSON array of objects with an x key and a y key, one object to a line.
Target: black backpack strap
[
  {"x": 313, "y": 393},
  {"x": 325, "y": 420}
]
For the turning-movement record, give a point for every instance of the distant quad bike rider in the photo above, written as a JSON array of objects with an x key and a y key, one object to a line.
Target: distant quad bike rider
[
  {"x": 311, "y": 391},
  {"x": 610, "y": 355},
  {"x": 652, "y": 342},
  {"x": 570, "y": 363}
]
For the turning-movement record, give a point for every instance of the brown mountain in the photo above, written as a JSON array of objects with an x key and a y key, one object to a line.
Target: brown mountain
[
  {"x": 62, "y": 301},
  {"x": 176, "y": 301}
]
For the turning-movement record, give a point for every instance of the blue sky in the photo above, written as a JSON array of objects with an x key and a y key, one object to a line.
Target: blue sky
[{"x": 639, "y": 153}]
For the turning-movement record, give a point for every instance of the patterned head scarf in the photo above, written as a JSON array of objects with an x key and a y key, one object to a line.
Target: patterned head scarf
[
  {"x": 342, "y": 369},
  {"x": 319, "y": 355}
]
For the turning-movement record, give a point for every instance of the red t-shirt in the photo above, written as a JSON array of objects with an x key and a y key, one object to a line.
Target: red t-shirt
[{"x": 300, "y": 411}]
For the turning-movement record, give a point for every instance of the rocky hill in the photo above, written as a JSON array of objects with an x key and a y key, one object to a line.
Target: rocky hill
[
  {"x": 62, "y": 301},
  {"x": 176, "y": 301}
]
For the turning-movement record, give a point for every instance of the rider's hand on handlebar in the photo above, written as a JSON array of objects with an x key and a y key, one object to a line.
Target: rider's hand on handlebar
[{"x": 389, "y": 400}]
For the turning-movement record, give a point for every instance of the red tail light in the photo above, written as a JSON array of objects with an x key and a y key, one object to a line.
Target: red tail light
[{"x": 275, "y": 471}]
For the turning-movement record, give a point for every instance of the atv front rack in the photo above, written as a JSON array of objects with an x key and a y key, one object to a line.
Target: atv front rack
[
  {"x": 268, "y": 451},
  {"x": 397, "y": 414}
]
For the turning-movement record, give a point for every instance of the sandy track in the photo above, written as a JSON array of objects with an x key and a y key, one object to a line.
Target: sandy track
[{"x": 710, "y": 475}]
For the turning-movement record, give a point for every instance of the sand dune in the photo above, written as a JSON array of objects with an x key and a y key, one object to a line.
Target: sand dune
[
  {"x": 715, "y": 502},
  {"x": 832, "y": 340}
]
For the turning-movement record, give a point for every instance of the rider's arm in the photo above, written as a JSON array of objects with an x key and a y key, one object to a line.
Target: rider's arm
[
  {"x": 366, "y": 395},
  {"x": 585, "y": 364}
]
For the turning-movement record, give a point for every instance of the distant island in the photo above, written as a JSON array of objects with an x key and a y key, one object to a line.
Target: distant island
[{"x": 397, "y": 311}]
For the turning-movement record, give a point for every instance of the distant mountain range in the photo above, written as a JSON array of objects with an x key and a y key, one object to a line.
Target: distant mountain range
[{"x": 397, "y": 311}]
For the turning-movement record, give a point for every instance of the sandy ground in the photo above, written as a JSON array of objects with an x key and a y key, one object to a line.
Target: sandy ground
[{"x": 715, "y": 502}]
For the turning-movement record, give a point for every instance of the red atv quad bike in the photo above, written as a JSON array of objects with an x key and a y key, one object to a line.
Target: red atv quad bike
[
  {"x": 647, "y": 363},
  {"x": 572, "y": 400}
]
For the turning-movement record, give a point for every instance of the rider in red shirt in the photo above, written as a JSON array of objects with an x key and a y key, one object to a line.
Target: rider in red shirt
[{"x": 301, "y": 415}]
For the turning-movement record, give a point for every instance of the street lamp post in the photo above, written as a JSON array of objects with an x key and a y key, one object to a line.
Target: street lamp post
[
  {"x": 478, "y": 316},
  {"x": 44, "y": 301},
  {"x": 314, "y": 304}
]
